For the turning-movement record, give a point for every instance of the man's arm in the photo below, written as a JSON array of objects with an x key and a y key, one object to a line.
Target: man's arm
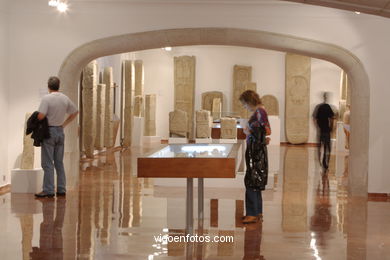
[{"x": 70, "y": 118}]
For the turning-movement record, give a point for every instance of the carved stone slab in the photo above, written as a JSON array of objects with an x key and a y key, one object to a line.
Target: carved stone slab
[
  {"x": 100, "y": 116},
  {"x": 242, "y": 75},
  {"x": 138, "y": 78},
  {"x": 138, "y": 106},
  {"x": 184, "y": 80},
  {"x": 228, "y": 128},
  {"x": 208, "y": 97},
  {"x": 271, "y": 105},
  {"x": 204, "y": 123},
  {"x": 216, "y": 110},
  {"x": 28, "y": 149},
  {"x": 89, "y": 83},
  {"x": 128, "y": 94},
  {"x": 297, "y": 98},
  {"x": 150, "y": 115},
  {"x": 108, "y": 127},
  {"x": 178, "y": 123}
]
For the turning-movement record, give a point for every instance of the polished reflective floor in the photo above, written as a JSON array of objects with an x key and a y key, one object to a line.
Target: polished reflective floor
[{"x": 115, "y": 215}]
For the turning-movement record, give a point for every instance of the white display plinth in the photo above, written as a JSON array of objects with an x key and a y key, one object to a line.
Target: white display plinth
[
  {"x": 138, "y": 131},
  {"x": 203, "y": 140},
  {"x": 26, "y": 181},
  {"x": 274, "y": 122},
  {"x": 340, "y": 137},
  {"x": 225, "y": 141},
  {"x": 177, "y": 140},
  {"x": 152, "y": 139},
  {"x": 273, "y": 158}
]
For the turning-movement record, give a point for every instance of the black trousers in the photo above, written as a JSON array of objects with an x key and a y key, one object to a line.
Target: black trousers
[{"x": 325, "y": 147}]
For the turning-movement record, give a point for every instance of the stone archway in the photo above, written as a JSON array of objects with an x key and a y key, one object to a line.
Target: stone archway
[{"x": 360, "y": 93}]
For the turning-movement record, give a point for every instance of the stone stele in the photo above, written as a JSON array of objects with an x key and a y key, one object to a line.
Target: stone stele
[
  {"x": 242, "y": 75},
  {"x": 100, "y": 108},
  {"x": 297, "y": 98},
  {"x": 28, "y": 149},
  {"x": 271, "y": 105},
  {"x": 138, "y": 78},
  {"x": 178, "y": 123},
  {"x": 204, "y": 123},
  {"x": 184, "y": 82},
  {"x": 88, "y": 85},
  {"x": 216, "y": 111},
  {"x": 208, "y": 97},
  {"x": 228, "y": 128},
  {"x": 108, "y": 127},
  {"x": 138, "y": 106},
  {"x": 128, "y": 94},
  {"x": 150, "y": 115}
]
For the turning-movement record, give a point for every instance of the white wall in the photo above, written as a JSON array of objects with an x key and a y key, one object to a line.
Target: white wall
[
  {"x": 214, "y": 72},
  {"x": 4, "y": 24},
  {"x": 40, "y": 39}
]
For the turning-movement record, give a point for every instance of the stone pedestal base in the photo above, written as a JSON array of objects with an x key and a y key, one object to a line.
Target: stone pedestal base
[
  {"x": 138, "y": 131},
  {"x": 26, "y": 181},
  {"x": 203, "y": 140},
  {"x": 177, "y": 140},
  {"x": 225, "y": 141},
  {"x": 152, "y": 139}
]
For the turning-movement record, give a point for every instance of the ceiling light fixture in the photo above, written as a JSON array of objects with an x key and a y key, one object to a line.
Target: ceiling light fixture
[
  {"x": 62, "y": 7},
  {"x": 356, "y": 12},
  {"x": 167, "y": 48},
  {"x": 53, "y": 3}
]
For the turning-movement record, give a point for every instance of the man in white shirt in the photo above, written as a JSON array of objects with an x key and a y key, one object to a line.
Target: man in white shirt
[{"x": 54, "y": 106}]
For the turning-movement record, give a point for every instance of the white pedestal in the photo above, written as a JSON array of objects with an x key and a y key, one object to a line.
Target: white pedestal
[
  {"x": 177, "y": 140},
  {"x": 273, "y": 158},
  {"x": 138, "y": 131},
  {"x": 225, "y": 141},
  {"x": 203, "y": 140},
  {"x": 151, "y": 139},
  {"x": 274, "y": 122},
  {"x": 26, "y": 181}
]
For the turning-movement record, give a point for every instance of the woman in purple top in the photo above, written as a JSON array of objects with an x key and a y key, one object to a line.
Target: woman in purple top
[{"x": 255, "y": 155}]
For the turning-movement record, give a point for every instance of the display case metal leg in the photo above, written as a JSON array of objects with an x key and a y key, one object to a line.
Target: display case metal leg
[
  {"x": 200, "y": 204},
  {"x": 190, "y": 207}
]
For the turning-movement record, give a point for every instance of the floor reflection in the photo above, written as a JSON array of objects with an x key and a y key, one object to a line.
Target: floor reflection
[{"x": 114, "y": 214}]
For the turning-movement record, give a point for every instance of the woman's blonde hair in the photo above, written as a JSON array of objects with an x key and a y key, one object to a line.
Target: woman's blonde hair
[{"x": 250, "y": 97}]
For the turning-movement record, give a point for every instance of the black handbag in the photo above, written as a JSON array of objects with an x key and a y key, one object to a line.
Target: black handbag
[{"x": 256, "y": 158}]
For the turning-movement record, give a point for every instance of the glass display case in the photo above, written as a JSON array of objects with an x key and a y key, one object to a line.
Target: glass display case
[{"x": 194, "y": 151}]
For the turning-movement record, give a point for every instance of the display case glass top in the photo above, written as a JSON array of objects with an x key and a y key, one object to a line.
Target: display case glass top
[{"x": 194, "y": 151}]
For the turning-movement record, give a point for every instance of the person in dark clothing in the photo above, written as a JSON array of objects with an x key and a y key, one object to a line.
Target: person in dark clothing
[{"x": 323, "y": 116}]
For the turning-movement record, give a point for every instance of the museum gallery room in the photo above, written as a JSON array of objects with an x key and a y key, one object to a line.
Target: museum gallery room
[{"x": 199, "y": 129}]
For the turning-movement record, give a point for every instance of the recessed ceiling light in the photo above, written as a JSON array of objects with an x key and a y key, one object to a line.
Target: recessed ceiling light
[
  {"x": 53, "y": 3},
  {"x": 356, "y": 12},
  {"x": 167, "y": 48},
  {"x": 62, "y": 7}
]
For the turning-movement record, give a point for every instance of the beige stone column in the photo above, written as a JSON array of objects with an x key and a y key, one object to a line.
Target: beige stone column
[
  {"x": 138, "y": 106},
  {"x": 138, "y": 78},
  {"x": 297, "y": 98},
  {"x": 108, "y": 127},
  {"x": 100, "y": 115},
  {"x": 128, "y": 96},
  {"x": 89, "y": 81},
  {"x": 184, "y": 81},
  {"x": 150, "y": 115},
  {"x": 28, "y": 149},
  {"x": 242, "y": 75},
  {"x": 271, "y": 105}
]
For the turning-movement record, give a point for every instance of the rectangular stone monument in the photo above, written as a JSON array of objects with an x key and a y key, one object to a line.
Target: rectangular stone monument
[
  {"x": 208, "y": 99},
  {"x": 138, "y": 78},
  {"x": 184, "y": 95},
  {"x": 178, "y": 124},
  {"x": 108, "y": 127},
  {"x": 128, "y": 96},
  {"x": 271, "y": 105},
  {"x": 28, "y": 149},
  {"x": 100, "y": 116},
  {"x": 242, "y": 75},
  {"x": 297, "y": 98},
  {"x": 216, "y": 110},
  {"x": 228, "y": 128},
  {"x": 150, "y": 115},
  {"x": 88, "y": 84},
  {"x": 138, "y": 106},
  {"x": 204, "y": 123}
]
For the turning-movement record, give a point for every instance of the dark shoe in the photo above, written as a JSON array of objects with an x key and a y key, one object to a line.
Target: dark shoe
[
  {"x": 250, "y": 219},
  {"x": 44, "y": 195},
  {"x": 61, "y": 194}
]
